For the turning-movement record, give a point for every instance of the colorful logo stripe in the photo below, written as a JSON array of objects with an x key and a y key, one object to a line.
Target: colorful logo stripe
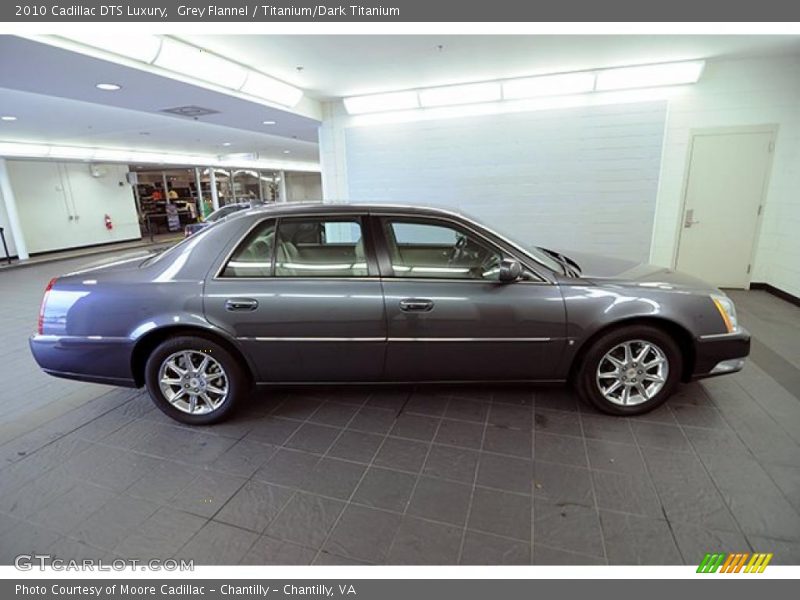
[{"x": 734, "y": 562}]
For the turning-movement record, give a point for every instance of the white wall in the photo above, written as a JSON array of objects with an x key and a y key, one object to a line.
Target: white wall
[
  {"x": 48, "y": 193},
  {"x": 740, "y": 93},
  {"x": 12, "y": 247},
  {"x": 581, "y": 178},
  {"x": 303, "y": 187}
]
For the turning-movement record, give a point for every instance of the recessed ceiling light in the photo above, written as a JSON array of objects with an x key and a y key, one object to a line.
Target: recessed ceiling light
[
  {"x": 108, "y": 87},
  {"x": 268, "y": 122},
  {"x": 8, "y": 118},
  {"x": 226, "y": 143},
  {"x": 287, "y": 151}
]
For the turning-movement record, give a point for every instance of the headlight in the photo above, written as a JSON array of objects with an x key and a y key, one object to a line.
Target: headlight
[{"x": 727, "y": 311}]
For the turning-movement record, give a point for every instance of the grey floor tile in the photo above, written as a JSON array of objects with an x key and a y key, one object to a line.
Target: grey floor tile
[
  {"x": 505, "y": 473},
  {"x": 419, "y": 542},
  {"x": 562, "y": 483},
  {"x": 254, "y": 506},
  {"x": 25, "y": 538},
  {"x": 440, "y": 500},
  {"x": 390, "y": 399},
  {"x": 425, "y": 403},
  {"x": 207, "y": 493},
  {"x": 511, "y": 416},
  {"x": 270, "y": 551},
  {"x": 626, "y": 493},
  {"x": 486, "y": 549},
  {"x": 606, "y": 428},
  {"x": 784, "y": 552},
  {"x": 364, "y": 534},
  {"x": 556, "y": 399},
  {"x": 564, "y": 449},
  {"x": 373, "y": 420},
  {"x": 244, "y": 458},
  {"x": 545, "y": 555},
  {"x": 161, "y": 536},
  {"x": 272, "y": 430},
  {"x": 611, "y": 456},
  {"x": 446, "y": 462},
  {"x": 334, "y": 478},
  {"x": 163, "y": 481},
  {"x": 336, "y": 414},
  {"x": 715, "y": 441},
  {"x": 663, "y": 437},
  {"x": 312, "y": 437},
  {"x": 501, "y": 513},
  {"x": 330, "y": 559},
  {"x": 405, "y": 455},
  {"x": 218, "y": 544},
  {"x": 788, "y": 480},
  {"x": 417, "y": 427},
  {"x": 635, "y": 540},
  {"x": 557, "y": 421},
  {"x": 460, "y": 433},
  {"x": 306, "y": 520},
  {"x": 384, "y": 488},
  {"x": 566, "y": 526},
  {"x": 287, "y": 467},
  {"x": 699, "y": 416},
  {"x": 461, "y": 409},
  {"x": 36, "y": 495},
  {"x": 516, "y": 442},
  {"x": 298, "y": 407},
  {"x": 521, "y": 396},
  {"x": 113, "y": 522},
  {"x": 356, "y": 446},
  {"x": 72, "y": 508}
]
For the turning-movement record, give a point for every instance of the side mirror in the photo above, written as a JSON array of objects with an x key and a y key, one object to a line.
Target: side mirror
[{"x": 510, "y": 270}]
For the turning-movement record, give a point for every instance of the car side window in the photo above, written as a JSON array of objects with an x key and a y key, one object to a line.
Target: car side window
[
  {"x": 253, "y": 256},
  {"x": 320, "y": 247},
  {"x": 438, "y": 250}
]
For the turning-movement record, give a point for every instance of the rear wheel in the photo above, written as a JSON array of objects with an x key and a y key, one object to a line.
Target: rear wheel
[
  {"x": 630, "y": 370},
  {"x": 194, "y": 380}
]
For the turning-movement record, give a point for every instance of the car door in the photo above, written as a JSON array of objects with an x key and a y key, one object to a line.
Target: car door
[
  {"x": 450, "y": 318},
  {"x": 303, "y": 298}
]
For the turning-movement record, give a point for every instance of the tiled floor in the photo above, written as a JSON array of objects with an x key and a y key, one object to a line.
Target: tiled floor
[{"x": 426, "y": 475}]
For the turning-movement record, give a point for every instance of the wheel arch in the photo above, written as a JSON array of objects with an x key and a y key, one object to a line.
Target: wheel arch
[
  {"x": 675, "y": 330},
  {"x": 150, "y": 341}
]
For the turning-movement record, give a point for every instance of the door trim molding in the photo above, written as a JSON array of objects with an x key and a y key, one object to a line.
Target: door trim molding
[{"x": 770, "y": 128}]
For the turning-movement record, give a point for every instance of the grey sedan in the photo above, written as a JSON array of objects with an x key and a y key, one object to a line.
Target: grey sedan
[{"x": 318, "y": 294}]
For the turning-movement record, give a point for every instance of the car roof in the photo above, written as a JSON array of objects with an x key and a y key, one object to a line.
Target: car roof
[{"x": 306, "y": 208}]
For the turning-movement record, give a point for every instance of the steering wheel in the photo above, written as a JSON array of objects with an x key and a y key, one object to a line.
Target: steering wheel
[{"x": 459, "y": 250}]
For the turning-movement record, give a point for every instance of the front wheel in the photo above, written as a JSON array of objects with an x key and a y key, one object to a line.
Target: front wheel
[
  {"x": 630, "y": 370},
  {"x": 194, "y": 380}
]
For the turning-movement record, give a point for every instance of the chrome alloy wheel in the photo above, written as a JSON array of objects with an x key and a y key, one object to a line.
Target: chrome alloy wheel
[
  {"x": 193, "y": 382},
  {"x": 632, "y": 372}
]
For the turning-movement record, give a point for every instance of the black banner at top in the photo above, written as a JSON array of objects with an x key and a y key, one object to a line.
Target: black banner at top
[{"x": 357, "y": 11}]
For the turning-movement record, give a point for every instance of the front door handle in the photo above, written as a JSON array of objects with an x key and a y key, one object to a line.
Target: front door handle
[
  {"x": 242, "y": 304},
  {"x": 416, "y": 305}
]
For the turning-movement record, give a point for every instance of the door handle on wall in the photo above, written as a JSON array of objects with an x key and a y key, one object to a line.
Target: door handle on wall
[
  {"x": 241, "y": 304},
  {"x": 688, "y": 221},
  {"x": 416, "y": 305}
]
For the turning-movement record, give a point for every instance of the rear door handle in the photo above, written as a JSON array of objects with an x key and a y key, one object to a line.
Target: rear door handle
[
  {"x": 241, "y": 304},
  {"x": 416, "y": 305}
]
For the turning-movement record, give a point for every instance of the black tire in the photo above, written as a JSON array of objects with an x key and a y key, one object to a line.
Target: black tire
[
  {"x": 586, "y": 376},
  {"x": 237, "y": 380}
]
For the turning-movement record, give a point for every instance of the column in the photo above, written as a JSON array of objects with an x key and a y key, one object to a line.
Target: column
[
  {"x": 212, "y": 179},
  {"x": 11, "y": 210}
]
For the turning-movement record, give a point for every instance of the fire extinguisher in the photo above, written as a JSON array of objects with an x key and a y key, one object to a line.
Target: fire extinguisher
[{"x": 109, "y": 224}]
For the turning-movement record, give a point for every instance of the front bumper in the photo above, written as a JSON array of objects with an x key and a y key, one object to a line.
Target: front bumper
[
  {"x": 721, "y": 354},
  {"x": 94, "y": 359}
]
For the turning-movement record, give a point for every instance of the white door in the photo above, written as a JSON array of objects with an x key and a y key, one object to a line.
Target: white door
[{"x": 724, "y": 194}]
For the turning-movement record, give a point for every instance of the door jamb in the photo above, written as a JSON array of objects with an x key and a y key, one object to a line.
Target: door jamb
[{"x": 714, "y": 131}]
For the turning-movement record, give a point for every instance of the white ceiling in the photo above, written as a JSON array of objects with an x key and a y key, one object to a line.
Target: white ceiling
[{"x": 341, "y": 65}]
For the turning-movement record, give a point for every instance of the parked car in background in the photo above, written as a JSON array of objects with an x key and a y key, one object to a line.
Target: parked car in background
[
  {"x": 319, "y": 294},
  {"x": 220, "y": 213}
]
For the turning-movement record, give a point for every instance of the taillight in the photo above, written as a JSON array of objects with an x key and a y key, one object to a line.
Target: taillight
[{"x": 40, "y": 327}]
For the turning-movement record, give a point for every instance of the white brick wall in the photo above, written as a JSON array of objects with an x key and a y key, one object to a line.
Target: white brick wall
[{"x": 578, "y": 178}]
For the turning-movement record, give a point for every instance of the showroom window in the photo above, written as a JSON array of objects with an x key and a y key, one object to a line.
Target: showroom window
[
  {"x": 253, "y": 257},
  {"x": 426, "y": 249},
  {"x": 319, "y": 247}
]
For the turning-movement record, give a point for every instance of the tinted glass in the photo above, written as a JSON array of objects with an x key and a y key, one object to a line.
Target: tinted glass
[
  {"x": 320, "y": 247},
  {"x": 438, "y": 250},
  {"x": 253, "y": 257}
]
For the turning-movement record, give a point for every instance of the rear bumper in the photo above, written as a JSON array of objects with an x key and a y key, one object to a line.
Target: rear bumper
[
  {"x": 721, "y": 354},
  {"x": 94, "y": 359}
]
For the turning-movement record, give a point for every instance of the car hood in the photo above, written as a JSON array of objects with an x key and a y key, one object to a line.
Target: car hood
[{"x": 607, "y": 269}]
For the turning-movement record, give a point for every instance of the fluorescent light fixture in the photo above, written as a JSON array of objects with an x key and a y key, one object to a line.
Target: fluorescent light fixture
[
  {"x": 8, "y": 118},
  {"x": 197, "y": 63},
  {"x": 471, "y": 93},
  {"x": 548, "y": 85},
  {"x": 143, "y": 48},
  {"x": 649, "y": 75},
  {"x": 357, "y": 105},
  {"x": 287, "y": 151},
  {"x": 262, "y": 86},
  {"x": 108, "y": 87},
  {"x": 268, "y": 122},
  {"x": 226, "y": 143}
]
